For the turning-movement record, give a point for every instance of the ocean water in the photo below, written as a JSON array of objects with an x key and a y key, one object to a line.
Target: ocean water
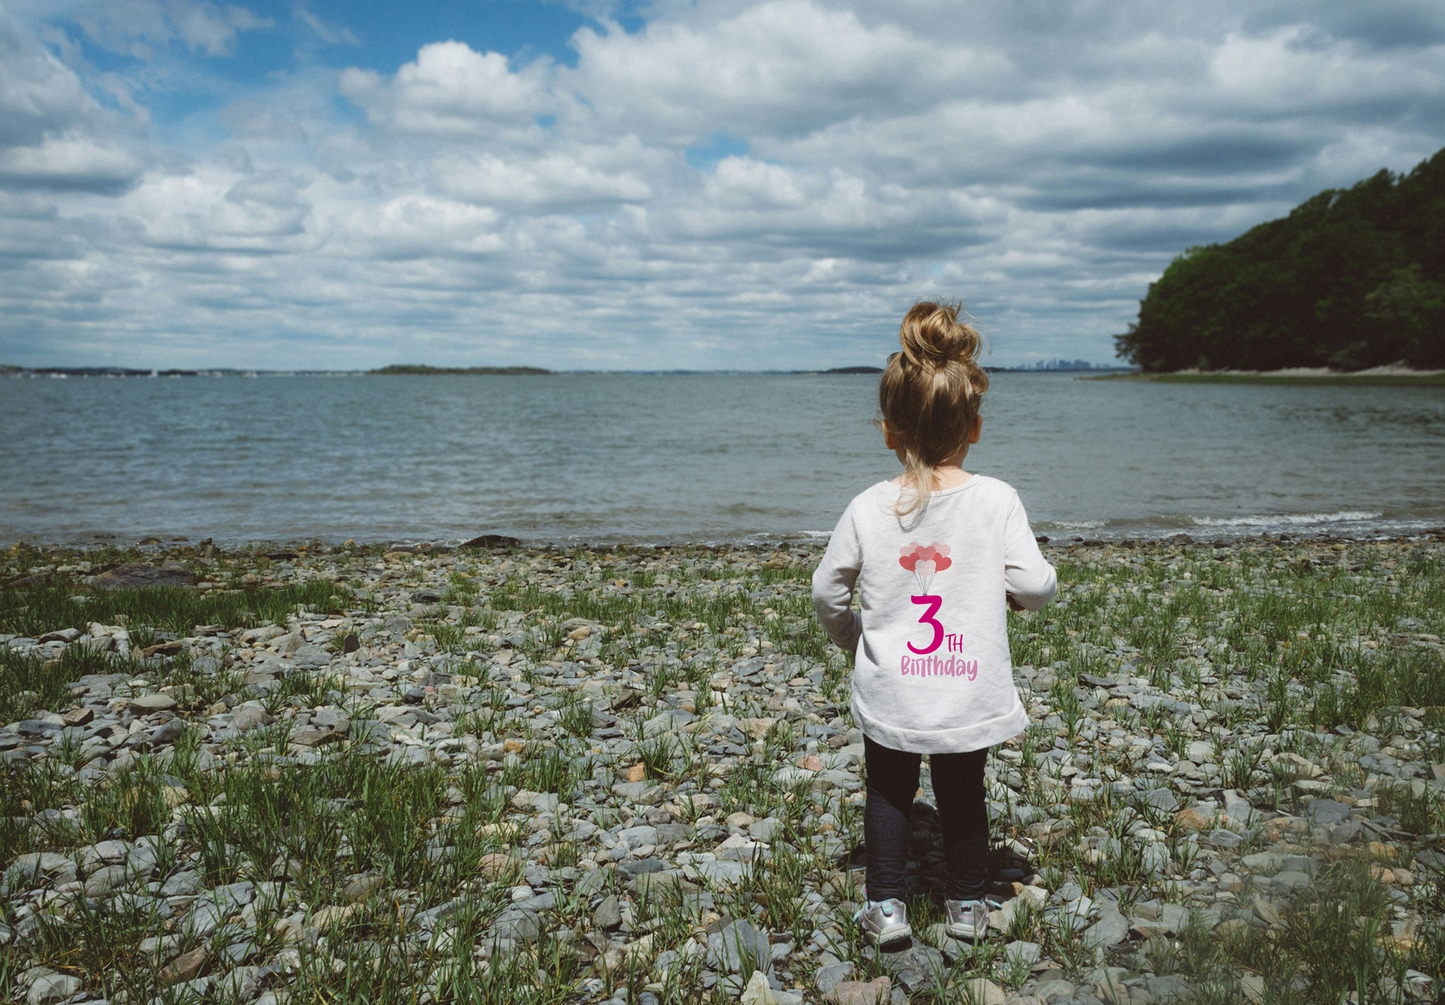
[{"x": 688, "y": 457}]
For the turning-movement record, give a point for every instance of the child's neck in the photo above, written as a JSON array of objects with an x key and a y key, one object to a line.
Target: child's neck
[{"x": 946, "y": 476}]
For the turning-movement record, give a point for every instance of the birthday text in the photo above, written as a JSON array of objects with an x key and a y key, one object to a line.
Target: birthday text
[{"x": 938, "y": 666}]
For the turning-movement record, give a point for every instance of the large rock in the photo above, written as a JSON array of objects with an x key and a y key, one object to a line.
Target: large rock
[
  {"x": 1266, "y": 862},
  {"x": 759, "y": 992},
  {"x": 184, "y": 967},
  {"x": 1019, "y": 953},
  {"x": 723, "y": 873},
  {"x": 588, "y": 883},
  {"x": 249, "y": 717},
  {"x": 1221, "y": 837},
  {"x": 36, "y": 727},
  {"x": 638, "y": 837},
  {"x": 1108, "y": 984},
  {"x": 917, "y": 968},
  {"x": 105, "y": 880},
  {"x": 517, "y": 924},
  {"x": 311, "y": 656},
  {"x": 52, "y": 988},
  {"x": 136, "y": 576},
  {"x": 875, "y": 992},
  {"x": 1053, "y": 991},
  {"x": 288, "y": 643},
  {"x": 1111, "y": 929},
  {"x": 1239, "y": 810},
  {"x": 93, "y": 856},
  {"x": 666, "y": 722},
  {"x": 31, "y": 866},
  {"x": 608, "y": 914},
  {"x": 1156, "y": 858},
  {"x": 1328, "y": 812},
  {"x": 396, "y": 715},
  {"x": 32, "y": 580},
  {"x": 1169, "y": 989},
  {"x": 985, "y": 992},
  {"x": 492, "y": 541},
  {"x": 1162, "y": 799},
  {"x": 738, "y": 947},
  {"x": 831, "y": 975},
  {"x": 331, "y": 718},
  {"x": 167, "y": 733},
  {"x": 182, "y": 884}
]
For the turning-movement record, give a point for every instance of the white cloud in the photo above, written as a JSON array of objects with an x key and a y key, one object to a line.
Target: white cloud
[
  {"x": 332, "y": 34},
  {"x": 418, "y": 227},
  {"x": 38, "y": 93},
  {"x": 449, "y": 88},
  {"x": 734, "y": 183},
  {"x": 781, "y": 67},
  {"x": 216, "y": 209},
  {"x": 553, "y": 183},
  {"x": 1293, "y": 71},
  {"x": 749, "y": 184},
  {"x": 68, "y": 162},
  {"x": 139, "y": 27},
  {"x": 53, "y": 133}
]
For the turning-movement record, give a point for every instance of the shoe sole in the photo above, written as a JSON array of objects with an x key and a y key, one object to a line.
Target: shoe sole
[
  {"x": 888, "y": 936},
  {"x": 972, "y": 935}
]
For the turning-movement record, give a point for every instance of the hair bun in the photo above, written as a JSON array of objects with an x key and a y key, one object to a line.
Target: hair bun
[{"x": 932, "y": 335}]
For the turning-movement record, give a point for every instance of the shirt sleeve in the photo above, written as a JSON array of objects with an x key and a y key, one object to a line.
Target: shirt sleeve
[
  {"x": 1028, "y": 577},
  {"x": 833, "y": 583}
]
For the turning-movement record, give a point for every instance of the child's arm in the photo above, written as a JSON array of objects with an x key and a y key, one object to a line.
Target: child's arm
[
  {"x": 833, "y": 582},
  {"x": 1029, "y": 579}
]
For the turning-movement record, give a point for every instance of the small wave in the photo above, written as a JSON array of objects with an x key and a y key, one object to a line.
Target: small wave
[
  {"x": 1292, "y": 519},
  {"x": 1078, "y": 524}
]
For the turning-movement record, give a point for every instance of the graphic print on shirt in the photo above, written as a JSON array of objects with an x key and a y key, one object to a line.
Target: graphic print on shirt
[{"x": 925, "y": 562}]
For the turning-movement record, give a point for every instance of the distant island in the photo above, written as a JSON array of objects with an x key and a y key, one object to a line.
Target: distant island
[
  {"x": 470, "y": 371},
  {"x": 1055, "y": 366},
  {"x": 1350, "y": 279},
  {"x": 10, "y": 370}
]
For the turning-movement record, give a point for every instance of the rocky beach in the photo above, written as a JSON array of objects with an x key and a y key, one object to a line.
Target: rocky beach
[{"x": 505, "y": 773}]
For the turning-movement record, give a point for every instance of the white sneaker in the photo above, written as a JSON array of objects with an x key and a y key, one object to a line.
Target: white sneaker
[
  {"x": 884, "y": 922},
  {"x": 967, "y": 919}
]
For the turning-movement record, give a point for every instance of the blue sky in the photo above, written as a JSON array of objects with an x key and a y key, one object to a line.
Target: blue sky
[{"x": 672, "y": 184}]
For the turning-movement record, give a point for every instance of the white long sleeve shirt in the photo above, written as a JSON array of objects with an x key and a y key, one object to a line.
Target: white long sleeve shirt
[{"x": 932, "y": 671}]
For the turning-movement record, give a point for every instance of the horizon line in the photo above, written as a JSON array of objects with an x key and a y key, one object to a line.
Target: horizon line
[{"x": 14, "y": 370}]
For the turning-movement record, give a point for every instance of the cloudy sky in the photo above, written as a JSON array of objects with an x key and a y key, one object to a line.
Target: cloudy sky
[{"x": 730, "y": 184}]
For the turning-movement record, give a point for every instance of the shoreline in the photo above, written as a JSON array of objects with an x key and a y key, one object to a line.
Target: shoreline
[{"x": 1223, "y": 536}]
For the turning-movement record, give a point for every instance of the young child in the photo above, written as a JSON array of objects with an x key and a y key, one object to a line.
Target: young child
[{"x": 935, "y": 557}]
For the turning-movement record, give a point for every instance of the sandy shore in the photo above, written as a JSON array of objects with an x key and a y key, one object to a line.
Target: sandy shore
[{"x": 523, "y": 774}]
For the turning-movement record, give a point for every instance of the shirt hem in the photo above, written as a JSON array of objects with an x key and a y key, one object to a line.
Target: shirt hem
[{"x": 959, "y": 740}]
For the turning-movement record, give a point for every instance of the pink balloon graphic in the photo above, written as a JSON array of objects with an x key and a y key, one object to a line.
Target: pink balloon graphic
[{"x": 924, "y": 561}]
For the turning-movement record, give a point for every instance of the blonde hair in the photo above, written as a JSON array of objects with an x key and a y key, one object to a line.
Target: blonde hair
[{"x": 930, "y": 393}]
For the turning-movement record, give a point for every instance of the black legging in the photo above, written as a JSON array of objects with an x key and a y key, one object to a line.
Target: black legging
[{"x": 962, "y": 811}]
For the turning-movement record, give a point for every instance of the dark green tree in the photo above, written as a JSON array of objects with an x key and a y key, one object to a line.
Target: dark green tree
[{"x": 1351, "y": 278}]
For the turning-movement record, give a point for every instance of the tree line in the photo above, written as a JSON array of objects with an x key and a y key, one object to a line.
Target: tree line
[{"x": 1351, "y": 278}]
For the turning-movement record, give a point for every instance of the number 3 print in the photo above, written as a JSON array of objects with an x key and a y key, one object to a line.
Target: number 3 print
[{"x": 933, "y": 603}]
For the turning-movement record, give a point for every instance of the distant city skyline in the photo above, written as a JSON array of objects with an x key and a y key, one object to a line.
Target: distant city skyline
[{"x": 670, "y": 185}]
